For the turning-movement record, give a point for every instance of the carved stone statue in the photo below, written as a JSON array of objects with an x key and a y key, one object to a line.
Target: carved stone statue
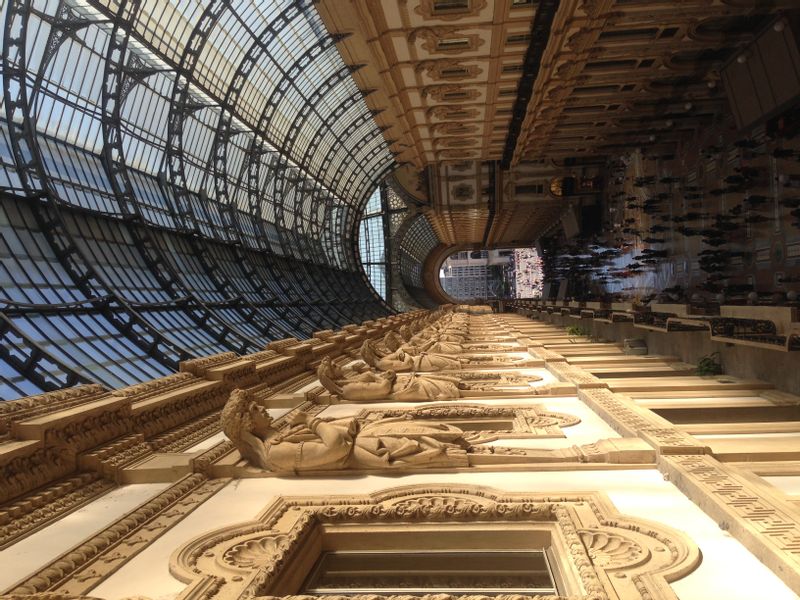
[
  {"x": 401, "y": 360},
  {"x": 393, "y": 341},
  {"x": 405, "y": 332},
  {"x": 436, "y": 344},
  {"x": 388, "y": 386},
  {"x": 314, "y": 444},
  {"x": 421, "y": 342}
]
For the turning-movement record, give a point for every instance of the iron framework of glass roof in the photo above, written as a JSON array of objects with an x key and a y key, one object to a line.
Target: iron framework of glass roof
[
  {"x": 372, "y": 242},
  {"x": 413, "y": 242},
  {"x": 177, "y": 178}
]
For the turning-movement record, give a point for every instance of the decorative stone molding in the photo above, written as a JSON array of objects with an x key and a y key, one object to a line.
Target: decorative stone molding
[
  {"x": 48, "y": 596},
  {"x": 576, "y": 375},
  {"x": 76, "y": 429},
  {"x": 109, "y": 458},
  {"x": 454, "y": 128},
  {"x": 273, "y": 367},
  {"x": 580, "y": 40},
  {"x": 593, "y": 8},
  {"x": 440, "y": 92},
  {"x": 181, "y": 438},
  {"x": 26, "y": 470},
  {"x": 281, "y": 345},
  {"x": 427, "y": 9},
  {"x": 203, "y": 463},
  {"x": 455, "y": 142},
  {"x": 626, "y": 418},
  {"x": 496, "y": 381},
  {"x": 35, "y": 406},
  {"x": 267, "y": 556},
  {"x": 670, "y": 440},
  {"x": 432, "y": 35},
  {"x": 547, "y": 355},
  {"x": 199, "y": 366},
  {"x": 436, "y": 69},
  {"x": 45, "y": 446},
  {"x": 49, "y": 436},
  {"x": 527, "y": 422},
  {"x": 463, "y": 192},
  {"x": 228, "y": 367},
  {"x": 40, "y": 508},
  {"x": 457, "y": 154},
  {"x": 162, "y": 404},
  {"x": 82, "y": 568},
  {"x": 767, "y": 525},
  {"x": 615, "y": 451},
  {"x": 445, "y": 112}
]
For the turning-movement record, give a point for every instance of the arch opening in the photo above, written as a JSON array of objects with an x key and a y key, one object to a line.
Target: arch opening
[{"x": 496, "y": 274}]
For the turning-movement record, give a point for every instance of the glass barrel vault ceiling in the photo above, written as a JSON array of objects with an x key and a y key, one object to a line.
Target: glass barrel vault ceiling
[
  {"x": 177, "y": 178},
  {"x": 372, "y": 243}
]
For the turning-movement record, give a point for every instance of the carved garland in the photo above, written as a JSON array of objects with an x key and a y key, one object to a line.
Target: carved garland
[{"x": 250, "y": 559}]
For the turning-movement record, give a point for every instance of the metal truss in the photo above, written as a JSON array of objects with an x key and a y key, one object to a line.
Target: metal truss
[{"x": 261, "y": 246}]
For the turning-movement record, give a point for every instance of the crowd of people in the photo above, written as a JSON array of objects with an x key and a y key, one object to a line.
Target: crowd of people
[{"x": 654, "y": 218}]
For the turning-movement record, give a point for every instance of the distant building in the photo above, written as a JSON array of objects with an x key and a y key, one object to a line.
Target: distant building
[{"x": 479, "y": 274}]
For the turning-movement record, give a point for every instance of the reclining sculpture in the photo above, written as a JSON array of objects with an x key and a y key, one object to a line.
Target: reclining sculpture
[
  {"x": 405, "y": 359},
  {"x": 314, "y": 444},
  {"x": 388, "y": 386}
]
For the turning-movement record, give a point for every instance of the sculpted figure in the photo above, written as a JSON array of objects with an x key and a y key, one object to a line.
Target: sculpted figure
[
  {"x": 405, "y": 332},
  {"x": 393, "y": 341},
  {"x": 314, "y": 444},
  {"x": 401, "y": 360},
  {"x": 436, "y": 344},
  {"x": 387, "y": 386}
]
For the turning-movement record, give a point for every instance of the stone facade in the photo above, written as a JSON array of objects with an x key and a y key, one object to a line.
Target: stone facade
[{"x": 200, "y": 517}]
